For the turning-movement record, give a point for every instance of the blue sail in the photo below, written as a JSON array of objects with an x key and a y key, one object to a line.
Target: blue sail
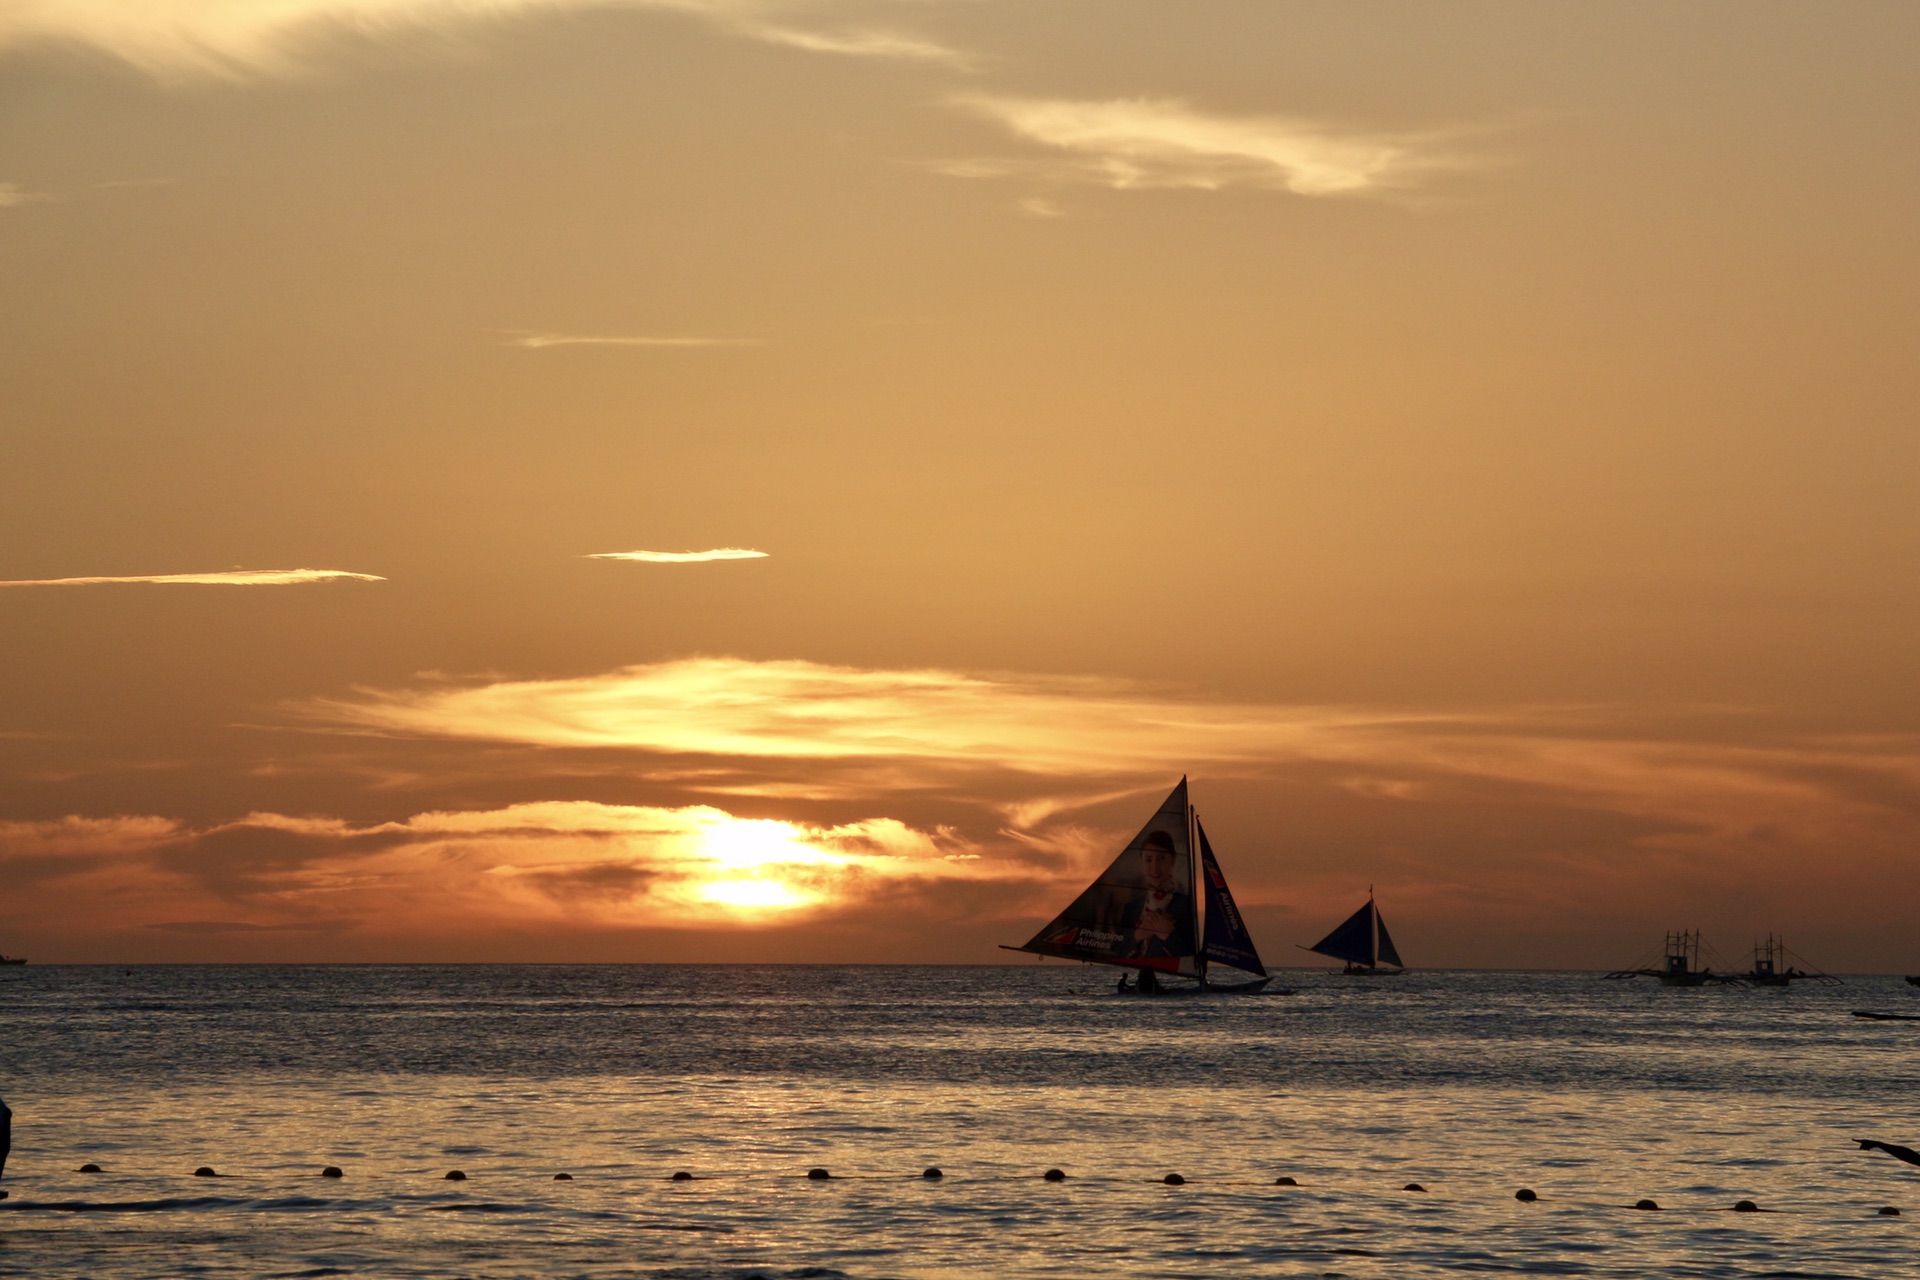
[
  {"x": 1352, "y": 939},
  {"x": 1227, "y": 940}
]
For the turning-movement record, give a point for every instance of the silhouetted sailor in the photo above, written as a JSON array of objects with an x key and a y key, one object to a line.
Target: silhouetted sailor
[{"x": 1897, "y": 1152}]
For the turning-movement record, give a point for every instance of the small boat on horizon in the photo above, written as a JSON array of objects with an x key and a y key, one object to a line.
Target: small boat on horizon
[
  {"x": 13, "y": 959},
  {"x": 1142, "y": 913},
  {"x": 1772, "y": 966},
  {"x": 1679, "y": 965},
  {"x": 1363, "y": 942}
]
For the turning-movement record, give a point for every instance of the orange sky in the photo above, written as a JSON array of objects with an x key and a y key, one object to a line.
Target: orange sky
[{"x": 1477, "y": 443}]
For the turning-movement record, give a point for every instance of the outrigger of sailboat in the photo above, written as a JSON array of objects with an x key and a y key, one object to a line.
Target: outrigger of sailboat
[
  {"x": 1363, "y": 942},
  {"x": 1143, "y": 913}
]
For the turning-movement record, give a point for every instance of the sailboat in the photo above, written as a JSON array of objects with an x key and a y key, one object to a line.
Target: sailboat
[
  {"x": 1142, "y": 914},
  {"x": 1363, "y": 942}
]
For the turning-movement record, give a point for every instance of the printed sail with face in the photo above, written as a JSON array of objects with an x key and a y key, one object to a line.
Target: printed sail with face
[
  {"x": 1162, "y": 905},
  {"x": 1140, "y": 910}
]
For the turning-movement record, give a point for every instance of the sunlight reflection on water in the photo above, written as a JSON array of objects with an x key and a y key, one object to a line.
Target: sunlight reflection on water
[{"x": 1593, "y": 1094}]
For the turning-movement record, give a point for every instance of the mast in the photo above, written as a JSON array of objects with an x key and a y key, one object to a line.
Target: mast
[
  {"x": 1198, "y": 890},
  {"x": 1373, "y": 931}
]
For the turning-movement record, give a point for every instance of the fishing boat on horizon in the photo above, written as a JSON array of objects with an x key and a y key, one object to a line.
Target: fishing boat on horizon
[
  {"x": 1143, "y": 914},
  {"x": 1362, "y": 941},
  {"x": 13, "y": 959},
  {"x": 1679, "y": 963},
  {"x": 1772, "y": 966}
]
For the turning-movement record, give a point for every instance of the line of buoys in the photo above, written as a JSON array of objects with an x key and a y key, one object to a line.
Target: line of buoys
[
  {"x": 205, "y": 1171},
  {"x": 818, "y": 1175},
  {"x": 932, "y": 1174},
  {"x": 1055, "y": 1175},
  {"x": 454, "y": 1175},
  {"x": 1413, "y": 1186},
  {"x": 88, "y": 1168},
  {"x": 332, "y": 1171},
  {"x": 563, "y": 1177},
  {"x": 1525, "y": 1195},
  {"x": 681, "y": 1175},
  {"x": 1174, "y": 1180},
  {"x": 1745, "y": 1206},
  {"x": 1284, "y": 1181},
  {"x": 1645, "y": 1204}
]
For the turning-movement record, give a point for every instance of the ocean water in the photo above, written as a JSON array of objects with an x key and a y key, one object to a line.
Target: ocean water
[{"x": 1593, "y": 1093}]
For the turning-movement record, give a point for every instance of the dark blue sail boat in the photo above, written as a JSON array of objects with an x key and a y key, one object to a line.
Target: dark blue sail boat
[
  {"x": 1363, "y": 942},
  {"x": 1143, "y": 913}
]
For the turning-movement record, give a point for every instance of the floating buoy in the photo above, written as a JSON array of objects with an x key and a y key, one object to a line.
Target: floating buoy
[
  {"x": 818, "y": 1175},
  {"x": 1645, "y": 1204},
  {"x": 88, "y": 1168},
  {"x": 1745, "y": 1206},
  {"x": 1525, "y": 1195},
  {"x": 1174, "y": 1180},
  {"x": 332, "y": 1171},
  {"x": 205, "y": 1171},
  {"x": 563, "y": 1177},
  {"x": 1413, "y": 1186},
  {"x": 1284, "y": 1181},
  {"x": 1055, "y": 1175},
  {"x": 454, "y": 1175},
  {"x": 932, "y": 1174},
  {"x": 1888, "y": 1211},
  {"x": 683, "y": 1176}
]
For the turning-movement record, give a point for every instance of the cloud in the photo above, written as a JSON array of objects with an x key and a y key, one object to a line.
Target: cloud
[
  {"x": 803, "y": 710},
  {"x": 12, "y": 196},
  {"x": 1164, "y": 142},
  {"x": 1056, "y": 743},
  {"x": 173, "y": 39},
  {"x": 533, "y": 865},
  {"x": 541, "y": 341},
  {"x": 228, "y": 578},
  {"x": 680, "y": 557}
]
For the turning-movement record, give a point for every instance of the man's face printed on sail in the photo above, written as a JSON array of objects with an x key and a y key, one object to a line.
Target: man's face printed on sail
[{"x": 1157, "y": 862}]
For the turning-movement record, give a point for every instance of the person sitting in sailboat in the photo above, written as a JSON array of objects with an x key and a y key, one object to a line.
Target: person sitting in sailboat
[{"x": 1159, "y": 923}]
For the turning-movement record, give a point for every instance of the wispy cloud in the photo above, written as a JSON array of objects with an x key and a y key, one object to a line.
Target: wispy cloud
[
  {"x": 804, "y": 710},
  {"x": 236, "y": 38},
  {"x": 865, "y": 43},
  {"x": 12, "y": 196},
  {"x": 540, "y": 341},
  {"x": 228, "y": 578},
  {"x": 680, "y": 557},
  {"x": 1165, "y": 142}
]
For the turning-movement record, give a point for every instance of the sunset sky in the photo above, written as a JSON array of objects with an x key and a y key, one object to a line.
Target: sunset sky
[{"x": 801, "y": 480}]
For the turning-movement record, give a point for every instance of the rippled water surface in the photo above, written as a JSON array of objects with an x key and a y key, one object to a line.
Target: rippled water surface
[{"x": 1594, "y": 1094}]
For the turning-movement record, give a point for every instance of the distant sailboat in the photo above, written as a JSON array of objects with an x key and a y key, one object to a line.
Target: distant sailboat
[
  {"x": 1142, "y": 913},
  {"x": 1363, "y": 942}
]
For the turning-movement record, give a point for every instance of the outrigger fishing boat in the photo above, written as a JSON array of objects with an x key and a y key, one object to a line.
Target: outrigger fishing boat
[
  {"x": 1679, "y": 965},
  {"x": 1143, "y": 914}
]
